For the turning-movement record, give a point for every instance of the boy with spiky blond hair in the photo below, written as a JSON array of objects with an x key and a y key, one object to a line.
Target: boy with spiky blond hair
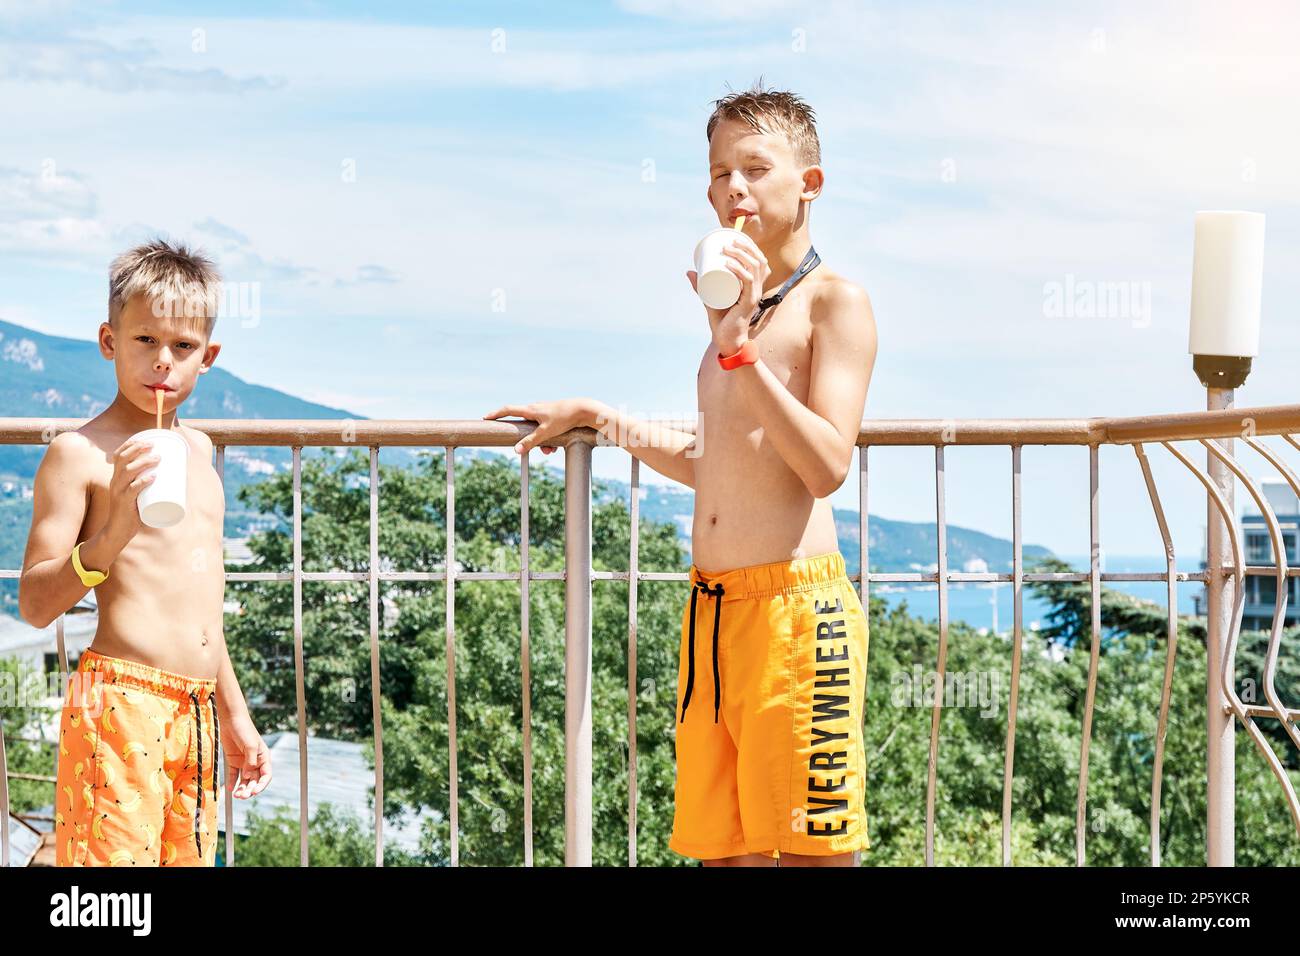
[
  {"x": 155, "y": 695},
  {"x": 775, "y": 767}
]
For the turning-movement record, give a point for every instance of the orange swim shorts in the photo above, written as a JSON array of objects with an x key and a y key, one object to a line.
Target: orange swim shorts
[
  {"x": 770, "y": 697},
  {"x": 136, "y": 782}
]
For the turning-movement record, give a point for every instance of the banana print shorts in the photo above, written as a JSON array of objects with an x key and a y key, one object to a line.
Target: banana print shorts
[
  {"x": 771, "y": 689},
  {"x": 136, "y": 782}
]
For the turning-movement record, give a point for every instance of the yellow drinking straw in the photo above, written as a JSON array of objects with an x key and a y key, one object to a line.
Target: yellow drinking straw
[
  {"x": 740, "y": 223},
  {"x": 158, "y": 395}
]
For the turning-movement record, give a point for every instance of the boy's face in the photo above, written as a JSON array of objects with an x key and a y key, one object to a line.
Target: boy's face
[
  {"x": 757, "y": 175},
  {"x": 147, "y": 350}
]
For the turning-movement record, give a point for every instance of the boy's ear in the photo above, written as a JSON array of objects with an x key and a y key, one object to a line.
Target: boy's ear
[
  {"x": 107, "y": 343},
  {"x": 209, "y": 356},
  {"x": 813, "y": 180}
]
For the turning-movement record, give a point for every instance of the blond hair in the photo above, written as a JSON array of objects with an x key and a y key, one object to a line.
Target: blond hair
[
  {"x": 176, "y": 280},
  {"x": 771, "y": 111}
]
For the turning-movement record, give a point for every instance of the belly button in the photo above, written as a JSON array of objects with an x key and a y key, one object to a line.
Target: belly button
[{"x": 713, "y": 519}]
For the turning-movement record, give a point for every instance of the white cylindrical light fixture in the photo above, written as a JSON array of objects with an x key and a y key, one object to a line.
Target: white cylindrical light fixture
[{"x": 1227, "y": 282}]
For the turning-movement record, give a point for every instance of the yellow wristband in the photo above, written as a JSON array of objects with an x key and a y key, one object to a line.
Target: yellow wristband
[{"x": 89, "y": 578}]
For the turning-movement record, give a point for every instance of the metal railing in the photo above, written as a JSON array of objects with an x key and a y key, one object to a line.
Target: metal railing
[{"x": 1215, "y": 429}]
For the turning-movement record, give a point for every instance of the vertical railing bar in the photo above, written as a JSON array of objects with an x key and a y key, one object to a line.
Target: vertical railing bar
[
  {"x": 525, "y": 657},
  {"x": 227, "y": 798},
  {"x": 1220, "y": 729},
  {"x": 1094, "y": 656},
  {"x": 1280, "y": 590},
  {"x": 863, "y": 546},
  {"x": 1017, "y": 598},
  {"x": 1171, "y": 649},
  {"x": 61, "y": 644},
  {"x": 864, "y": 597},
  {"x": 453, "y": 779},
  {"x": 299, "y": 667},
  {"x": 376, "y": 699},
  {"x": 633, "y": 568},
  {"x": 1220, "y": 792},
  {"x": 1284, "y": 586},
  {"x": 942, "y": 546},
  {"x": 577, "y": 654},
  {"x": 4, "y": 799}
]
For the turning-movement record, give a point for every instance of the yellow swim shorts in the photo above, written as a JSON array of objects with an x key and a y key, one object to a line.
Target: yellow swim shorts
[
  {"x": 136, "y": 781},
  {"x": 770, "y": 696}
]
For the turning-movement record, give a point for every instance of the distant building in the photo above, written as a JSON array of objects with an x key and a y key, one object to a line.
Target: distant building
[{"x": 1261, "y": 590}]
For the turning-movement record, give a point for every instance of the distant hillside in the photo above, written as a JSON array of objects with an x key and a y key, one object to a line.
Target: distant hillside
[
  {"x": 51, "y": 376},
  {"x": 895, "y": 546},
  {"x": 48, "y": 376}
]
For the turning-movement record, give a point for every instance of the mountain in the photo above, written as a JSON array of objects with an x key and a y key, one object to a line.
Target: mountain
[
  {"x": 51, "y": 376},
  {"x": 895, "y": 546}
]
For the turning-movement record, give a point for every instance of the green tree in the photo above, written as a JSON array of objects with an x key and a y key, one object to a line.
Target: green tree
[{"x": 489, "y": 718}]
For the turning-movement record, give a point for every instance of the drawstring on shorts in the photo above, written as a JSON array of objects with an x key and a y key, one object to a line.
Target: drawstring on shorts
[
  {"x": 198, "y": 741},
  {"x": 716, "y": 592}
]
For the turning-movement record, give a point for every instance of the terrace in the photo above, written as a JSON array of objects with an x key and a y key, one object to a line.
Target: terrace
[{"x": 1179, "y": 436}]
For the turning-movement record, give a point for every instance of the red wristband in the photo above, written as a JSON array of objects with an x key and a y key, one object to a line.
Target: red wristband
[{"x": 747, "y": 355}]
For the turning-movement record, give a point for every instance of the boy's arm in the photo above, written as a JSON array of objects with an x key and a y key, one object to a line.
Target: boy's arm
[
  {"x": 49, "y": 584},
  {"x": 817, "y": 440},
  {"x": 669, "y": 451},
  {"x": 248, "y": 762}
]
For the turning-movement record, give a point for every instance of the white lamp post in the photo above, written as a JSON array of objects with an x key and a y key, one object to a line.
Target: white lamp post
[{"x": 1227, "y": 278}]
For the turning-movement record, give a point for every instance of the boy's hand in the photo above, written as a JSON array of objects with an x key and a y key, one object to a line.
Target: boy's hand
[
  {"x": 131, "y": 458},
  {"x": 731, "y": 328},
  {"x": 248, "y": 762},
  {"x": 553, "y": 418}
]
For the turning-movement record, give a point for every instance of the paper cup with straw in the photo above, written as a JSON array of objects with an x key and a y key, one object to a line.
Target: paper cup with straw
[
  {"x": 162, "y": 502},
  {"x": 717, "y": 286}
]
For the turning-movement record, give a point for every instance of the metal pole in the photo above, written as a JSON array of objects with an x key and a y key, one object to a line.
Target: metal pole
[
  {"x": 577, "y": 654},
  {"x": 1220, "y": 725}
]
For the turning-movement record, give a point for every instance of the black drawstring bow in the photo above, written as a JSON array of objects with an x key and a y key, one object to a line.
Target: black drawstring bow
[{"x": 717, "y": 592}]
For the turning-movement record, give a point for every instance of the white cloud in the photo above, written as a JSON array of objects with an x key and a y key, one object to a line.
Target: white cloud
[{"x": 733, "y": 11}]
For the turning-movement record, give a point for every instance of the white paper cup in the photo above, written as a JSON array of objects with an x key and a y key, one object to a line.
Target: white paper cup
[
  {"x": 162, "y": 502},
  {"x": 717, "y": 286}
]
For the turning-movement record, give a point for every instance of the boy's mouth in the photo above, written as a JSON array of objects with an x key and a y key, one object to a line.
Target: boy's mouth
[
  {"x": 164, "y": 386},
  {"x": 737, "y": 213}
]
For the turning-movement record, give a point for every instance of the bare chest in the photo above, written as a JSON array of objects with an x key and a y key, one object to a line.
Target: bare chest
[
  {"x": 785, "y": 346},
  {"x": 193, "y": 539}
]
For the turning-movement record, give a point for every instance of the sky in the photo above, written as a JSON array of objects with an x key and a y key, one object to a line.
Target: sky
[{"x": 446, "y": 208}]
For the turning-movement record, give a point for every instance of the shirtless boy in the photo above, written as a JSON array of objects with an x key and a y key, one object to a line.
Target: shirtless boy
[
  {"x": 137, "y": 782},
  {"x": 770, "y": 760}
]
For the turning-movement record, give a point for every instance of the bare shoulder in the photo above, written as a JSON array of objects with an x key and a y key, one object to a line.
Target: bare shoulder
[
  {"x": 70, "y": 453},
  {"x": 197, "y": 439},
  {"x": 839, "y": 300},
  {"x": 841, "y": 316}
]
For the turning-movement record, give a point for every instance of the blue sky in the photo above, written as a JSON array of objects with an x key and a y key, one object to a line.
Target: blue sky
[{"x": 529, "y": 182}]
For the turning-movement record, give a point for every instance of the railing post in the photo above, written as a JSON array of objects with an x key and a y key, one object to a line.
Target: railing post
[
  {"x": 577, "y": 653},
  {"x": 4, "y": 800},
  {"x": 1220, "y": 724}
]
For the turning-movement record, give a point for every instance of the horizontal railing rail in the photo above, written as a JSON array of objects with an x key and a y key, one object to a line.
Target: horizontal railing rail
[{"x": 1216, "y": 430}]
